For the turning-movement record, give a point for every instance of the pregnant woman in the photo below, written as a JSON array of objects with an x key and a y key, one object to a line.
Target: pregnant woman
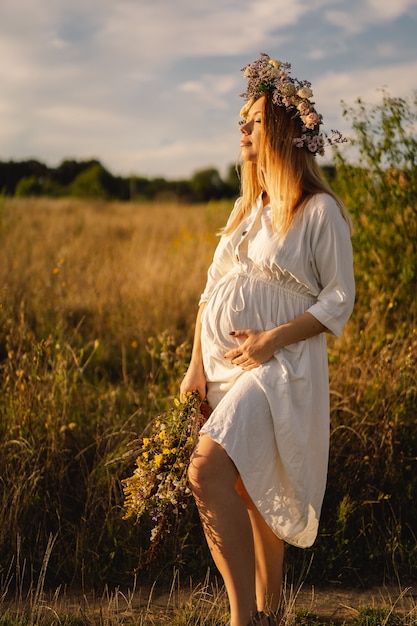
[{"x": 281, "y": 278}]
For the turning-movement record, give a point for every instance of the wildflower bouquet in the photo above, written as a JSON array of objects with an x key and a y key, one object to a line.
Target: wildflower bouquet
[{"x": 158, "y": 486}]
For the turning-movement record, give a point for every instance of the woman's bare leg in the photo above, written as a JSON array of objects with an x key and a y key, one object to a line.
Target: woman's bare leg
[
  {"x": 269, "y": 557},
  {"x": 226, "y": 525}
]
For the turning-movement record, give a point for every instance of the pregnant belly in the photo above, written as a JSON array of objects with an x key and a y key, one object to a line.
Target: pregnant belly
[
  {"x": 242, "y": 301},
  {"x": 235, "y": 305}
]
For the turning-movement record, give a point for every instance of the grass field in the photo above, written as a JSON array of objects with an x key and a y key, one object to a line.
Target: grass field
[{"x": 97, "y": 305}]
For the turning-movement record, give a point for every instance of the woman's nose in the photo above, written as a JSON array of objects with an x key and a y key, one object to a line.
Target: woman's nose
[{"x": 245, "y": 128}]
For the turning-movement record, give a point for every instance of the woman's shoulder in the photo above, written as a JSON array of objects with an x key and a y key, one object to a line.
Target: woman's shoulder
[
  {"x": 323, "y": 204},
  {"x": 322, "y": 201},
  {"x": 323, "y": 210}
]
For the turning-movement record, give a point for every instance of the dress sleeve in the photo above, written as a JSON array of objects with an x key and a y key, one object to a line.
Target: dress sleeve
[{"x": 333, "y": 259}]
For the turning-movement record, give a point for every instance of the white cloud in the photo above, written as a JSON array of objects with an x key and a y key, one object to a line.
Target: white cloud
[
  {"x": 161, "y": 31},
  {"x": 356, "y": 17},
  {"x": 153, "y": 86},
  {"x": 390, "y": 10},
  {"x": 217, "y": 151},
  {"x": 211, "y": 91},
  {"x": 367, "y": 84}
]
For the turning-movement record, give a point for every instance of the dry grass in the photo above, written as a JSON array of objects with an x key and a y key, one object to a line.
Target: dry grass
[
  {"x": 97, "y": 264},
  {"x": 204, "y": 604},
  {"x": 97, "y": 305}
]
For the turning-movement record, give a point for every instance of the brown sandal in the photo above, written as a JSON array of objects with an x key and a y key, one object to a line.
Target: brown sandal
[
  {"x": 258, "y": 617},
  {"x": 274, "y": 619}
]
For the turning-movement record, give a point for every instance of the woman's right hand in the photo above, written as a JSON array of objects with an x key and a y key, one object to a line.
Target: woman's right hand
[{"x": 194, "y": 379}]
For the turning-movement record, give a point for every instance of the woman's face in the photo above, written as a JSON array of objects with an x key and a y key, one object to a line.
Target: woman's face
[{"x": 252, "y": 130}]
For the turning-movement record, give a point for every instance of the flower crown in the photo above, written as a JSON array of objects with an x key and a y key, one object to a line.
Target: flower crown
[{"x": 269, "y": 76}]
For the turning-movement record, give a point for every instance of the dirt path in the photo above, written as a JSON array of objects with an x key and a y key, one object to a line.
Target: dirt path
[
  {"x": 146, "y": 607},
  {"x": 344, "y": 604},
  {"x": 329, "y": 604}
]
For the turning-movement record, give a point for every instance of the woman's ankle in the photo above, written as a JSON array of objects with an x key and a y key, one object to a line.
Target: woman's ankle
[{"x": 259, "y": 619}]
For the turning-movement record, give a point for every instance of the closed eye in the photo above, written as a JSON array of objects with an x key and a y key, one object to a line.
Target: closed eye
[{"x": 244, "y": 121}]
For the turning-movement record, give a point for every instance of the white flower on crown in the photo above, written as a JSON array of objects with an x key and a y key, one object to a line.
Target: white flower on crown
[
  {"x": 288, "y": 88},
  {"x": 275, "y": 63},
  {"x": 305, "y": 92},
  {"x": 275, "y": 71}
]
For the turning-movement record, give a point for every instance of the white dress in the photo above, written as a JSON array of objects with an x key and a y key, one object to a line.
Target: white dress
[{"x": 273, "y": 421}]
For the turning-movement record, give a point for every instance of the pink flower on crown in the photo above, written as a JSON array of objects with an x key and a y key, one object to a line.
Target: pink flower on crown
[
  {"x": 311, "y": 120},
  {"x": 287, "y": 101},
  {"x": 315, "y": 143},
  {"x": 304, "y": 107},
  {"x": 299, "y": 141}
]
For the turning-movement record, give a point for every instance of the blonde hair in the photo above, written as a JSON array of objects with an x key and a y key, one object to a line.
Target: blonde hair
[{"x": 290, "y": 175}]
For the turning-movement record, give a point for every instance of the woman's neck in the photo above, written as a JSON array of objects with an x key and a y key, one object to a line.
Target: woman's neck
[{"x": 265, "y": 198}]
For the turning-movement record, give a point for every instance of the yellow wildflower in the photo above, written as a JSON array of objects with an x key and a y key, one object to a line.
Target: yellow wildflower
[
  {"x": 158, "y": 486},
  {"x": 157, "y": 459}
]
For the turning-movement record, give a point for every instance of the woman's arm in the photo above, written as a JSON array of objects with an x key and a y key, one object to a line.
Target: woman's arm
[
  {"x": 195, "y": 377},
  {"x": 258, "y": 347},
  {"x": 332, "y": 250}
]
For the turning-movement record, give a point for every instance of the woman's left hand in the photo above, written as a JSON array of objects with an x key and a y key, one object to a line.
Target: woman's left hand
[{"x": 255, "y": 349}]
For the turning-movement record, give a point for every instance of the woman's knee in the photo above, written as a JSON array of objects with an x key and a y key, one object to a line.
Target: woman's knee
[
  {"x": 198, "y": 472},
  {"x": 209, "y": 467}
]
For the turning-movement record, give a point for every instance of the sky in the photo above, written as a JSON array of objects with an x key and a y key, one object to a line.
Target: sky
[{"x": 152, "y": 87}]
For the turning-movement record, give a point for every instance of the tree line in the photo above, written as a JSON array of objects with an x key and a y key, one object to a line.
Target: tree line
[{"x": 90, "y": 179}]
